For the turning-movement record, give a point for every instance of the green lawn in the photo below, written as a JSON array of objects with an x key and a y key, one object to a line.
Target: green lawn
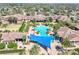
[
  {"x": 12, "y": 51},
  {"x": 2, "y": 45},
  {"x": 22, "y": 27},
  {"x": 27, "y": 28},
  {"x": 12, "y": 45}
]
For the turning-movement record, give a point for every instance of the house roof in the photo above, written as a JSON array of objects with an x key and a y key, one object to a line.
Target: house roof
[
  {"x": 11, "y": 36},
  {"x": 60, "y": 17},
  {"x": 21, "y": 17},
  {"x": 63, "y": 31},
  {"x": 55, "y": 17},
  {"x": 18, "y": 16},
  {"x": 75, "y": 39},
  {"x": 74, "y": 36},
  {"x": 39, "y": 17},
  {"x": 71, "y": 34}
]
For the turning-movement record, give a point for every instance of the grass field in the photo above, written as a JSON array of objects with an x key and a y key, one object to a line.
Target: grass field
[
  {"x": 12, "y": 51},
  {"x": 22, "y": 27}
]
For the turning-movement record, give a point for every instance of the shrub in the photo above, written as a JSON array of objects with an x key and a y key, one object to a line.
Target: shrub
[
  {"x": 24, "y": 38},
  {"x": 66, "y": 43},
  {"x": 56, "y": 27},
  {"x": 12, "y": 45},
  {"x": 34, "y": 50},
  {"x": 77, "y": 50},
  {"x": 2, "y": 45},
  {"x": 74, "y": 53}
]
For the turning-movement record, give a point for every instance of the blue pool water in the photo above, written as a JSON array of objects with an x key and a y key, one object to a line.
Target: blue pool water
[
  {"x": 42, "y": 30},
  {"x": 43, "y": 39}
]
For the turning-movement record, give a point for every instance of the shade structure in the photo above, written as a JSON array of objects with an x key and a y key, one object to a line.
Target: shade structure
[{"x": 43, "y": 40}]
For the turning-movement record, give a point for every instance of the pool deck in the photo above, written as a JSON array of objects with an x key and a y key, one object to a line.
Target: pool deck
[{"x": 51, "y": 51}]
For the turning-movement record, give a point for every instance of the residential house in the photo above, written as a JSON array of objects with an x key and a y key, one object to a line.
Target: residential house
[
  {"x": 18, "y": 17},
  {"x": 72, "y": 35},
  {"x": 39, "y": 18},
  {"x": 64, "y": 32},
  {"x": 60, "y": 17},
  {"x": 12, "y": 36}
]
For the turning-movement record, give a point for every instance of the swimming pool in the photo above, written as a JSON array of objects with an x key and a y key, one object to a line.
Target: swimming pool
[
  {"x": 42, "y": 30},
  {"x": 43, "y": 39}
]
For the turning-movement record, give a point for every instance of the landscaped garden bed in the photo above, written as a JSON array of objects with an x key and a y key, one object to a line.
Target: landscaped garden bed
[
  {"x": 77, "y": 50},
  {"x": 12, "y": 45},
  {"x": 2, "y": 45}
]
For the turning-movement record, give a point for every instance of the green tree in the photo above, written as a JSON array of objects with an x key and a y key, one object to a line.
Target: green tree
[
  {"x": 72, "y": 19},
  {"x": 77, "y": 50},
  {"x": 2, "y": 45},
  {"x": 34, "y": 50},
  {"x": 50, "y": 19},
  {"x": 61, "y": 23},
  {"x": 56, "y": 27},
  {"x": 66, "y": 43},
  {"x": 74, "y": 53},
  {"x": 24, "y": 38}
]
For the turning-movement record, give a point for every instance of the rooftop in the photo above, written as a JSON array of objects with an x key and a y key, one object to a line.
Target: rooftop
[
  {"x": 21, "y": 17},
  {"x": 67, "y": 32},
  {"x": 11, "y": 36}
]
